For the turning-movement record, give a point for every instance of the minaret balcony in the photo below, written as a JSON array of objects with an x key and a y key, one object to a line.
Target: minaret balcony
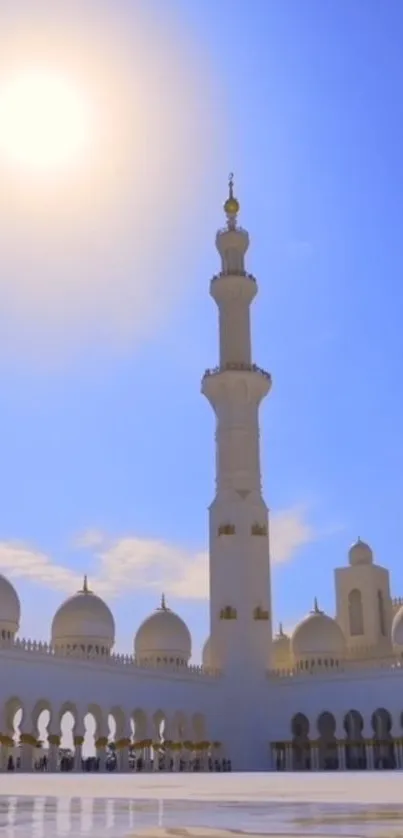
[
  {"x": 238, "y": 367},
  {"x": 235, "y": 283},
  {"x": 244, "y": 274},
  {"x": 218, "y": 382}
]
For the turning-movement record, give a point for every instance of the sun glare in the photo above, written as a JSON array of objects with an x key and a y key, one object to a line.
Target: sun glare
[{"x": 45, "y": 122}]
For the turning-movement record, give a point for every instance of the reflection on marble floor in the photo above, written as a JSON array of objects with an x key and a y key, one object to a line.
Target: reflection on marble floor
[{"x": 52, "y": 817}]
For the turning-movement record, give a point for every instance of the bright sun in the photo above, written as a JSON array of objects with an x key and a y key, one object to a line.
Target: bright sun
[{"x": 45, "y": 122}]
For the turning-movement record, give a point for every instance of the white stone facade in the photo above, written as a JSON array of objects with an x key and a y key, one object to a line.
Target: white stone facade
[{"x": 328, "y": 697}]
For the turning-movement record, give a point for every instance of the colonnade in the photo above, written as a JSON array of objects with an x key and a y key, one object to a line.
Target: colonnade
[
  {"x": 368, "y": 754},
  {"x": 52, "y": 738},
  {"x": 352, "y": 742}
]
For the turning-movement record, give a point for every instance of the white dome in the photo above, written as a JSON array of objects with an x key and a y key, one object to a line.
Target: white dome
[
  {"x": 281, "y": 649},
  {"x": 84, "y": 620},
  {"x": 397, "y": 628},
  {"x": 317, "y": 635},
  {"x": 10, "y": 609},
  {"x": 163, "y": 637},
  {"x": 360, "y": 553}
]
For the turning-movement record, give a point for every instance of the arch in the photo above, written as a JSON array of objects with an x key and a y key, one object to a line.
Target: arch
[
  {"x": 381, "y": 613},
  {"x": 68, "y": 721},
  {"x": 158, "y": 723},
  {"x": 140, "y": 724},
  {"x": 301, "y": 749},
  {"x": 41, "y": 718},
  {"x": 40, "y": 707},
  {"x": 94, "y": 726},
  {"x": 356, "y": 758},
  {"x": 71, "y": 708},
  {"x": 117, "y": 722},
  {"x": 327, "y": 743},
  {"x": 180, "y": 726},
  {"x": 384, "y": 754},
  {"x": 355, "y": 613}
]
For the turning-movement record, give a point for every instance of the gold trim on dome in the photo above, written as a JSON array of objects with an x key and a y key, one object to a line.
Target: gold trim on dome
[
  {"x": 260, "y": 614},
  {"x": 226, "y": 529},
  {"x": 228, "y": 613},
  {"x": 258, "y": 529}
]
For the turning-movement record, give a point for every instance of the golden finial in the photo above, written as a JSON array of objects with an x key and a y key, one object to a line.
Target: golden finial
[{"x": 231, "y": 206}]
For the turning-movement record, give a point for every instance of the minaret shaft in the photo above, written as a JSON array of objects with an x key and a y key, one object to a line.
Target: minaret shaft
[{"x": 240, "y": 596}]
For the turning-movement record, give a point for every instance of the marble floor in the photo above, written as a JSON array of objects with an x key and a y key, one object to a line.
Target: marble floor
[{"x": 351, "y": 805}]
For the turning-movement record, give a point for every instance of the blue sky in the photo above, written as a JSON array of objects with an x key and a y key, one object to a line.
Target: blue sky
[{"x": 107, "y": 452}]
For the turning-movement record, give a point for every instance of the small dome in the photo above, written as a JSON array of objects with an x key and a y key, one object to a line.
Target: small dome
[
  {"x": 317, "y": 635},
  {"x": 84, "y": 620},
  {"x": 163, "y": 637},
  {"x": 281, "y": 649},
  {"x": 360, "y": 553},
  {"x": 10, "y": 609},
  {"x": 397, "y": 629}
]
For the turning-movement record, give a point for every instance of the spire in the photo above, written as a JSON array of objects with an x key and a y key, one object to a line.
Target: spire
[
  {"x": 316, "y": 609},
  {"x": 280, "y": 629},
  {"x": 163, "y": 606},
  {"x": 85, "y": 589},
  {"x": 231, "y": 206}
]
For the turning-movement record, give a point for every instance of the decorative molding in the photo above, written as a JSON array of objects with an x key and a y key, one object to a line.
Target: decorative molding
[
  {"x": 226, "y": 529},
  {"x": 260, "y": 614},
  {"x": 258, "y": 529},
  {"x": 228, "y": 613}
]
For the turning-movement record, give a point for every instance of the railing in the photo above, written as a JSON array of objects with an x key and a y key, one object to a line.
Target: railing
[
  {"x": 390, "y": 663},
  {"x": 237, "y": 367},
  {"x": 245, "y": 274},
  {"x": 40, "y": 649},
  {"x": 232, "y": 229}
]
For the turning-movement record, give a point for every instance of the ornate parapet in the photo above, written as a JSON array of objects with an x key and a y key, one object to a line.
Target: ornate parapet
[
  {"x": 352, "y": 668},
  {"x": 228, "y": 613},
  {"x": 126, "y": 663}
]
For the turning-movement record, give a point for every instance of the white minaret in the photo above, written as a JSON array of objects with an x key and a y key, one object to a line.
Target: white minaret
[{"x": 240, "y": 599}]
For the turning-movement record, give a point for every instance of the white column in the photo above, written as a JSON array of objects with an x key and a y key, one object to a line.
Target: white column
[
  {"x": 341, "y": 755},
  {"x": 369, "y": 753},
  {"x": 53, "y": 752},
  {"x": 314, "y": 757},
  {"x": 78, "y": 752},
  {"x": 289, "y": 757}
]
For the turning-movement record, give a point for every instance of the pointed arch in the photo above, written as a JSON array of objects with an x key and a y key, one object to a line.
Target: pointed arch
[{"x": 355, "y": 613}]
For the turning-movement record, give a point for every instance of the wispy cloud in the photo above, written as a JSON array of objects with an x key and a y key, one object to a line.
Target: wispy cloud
[{"x": 134, "y": 563}]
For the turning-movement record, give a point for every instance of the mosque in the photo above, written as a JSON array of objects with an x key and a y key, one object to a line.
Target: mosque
[{"x": 330, "y": 697}]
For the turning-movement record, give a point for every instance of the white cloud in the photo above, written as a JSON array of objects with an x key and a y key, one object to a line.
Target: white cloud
[
  {"x": 289, "y": 531},
  {"x": 17, "y": 560},
  {"x": 134, "y": 564},
  {"x": 90, "y": 539}
]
